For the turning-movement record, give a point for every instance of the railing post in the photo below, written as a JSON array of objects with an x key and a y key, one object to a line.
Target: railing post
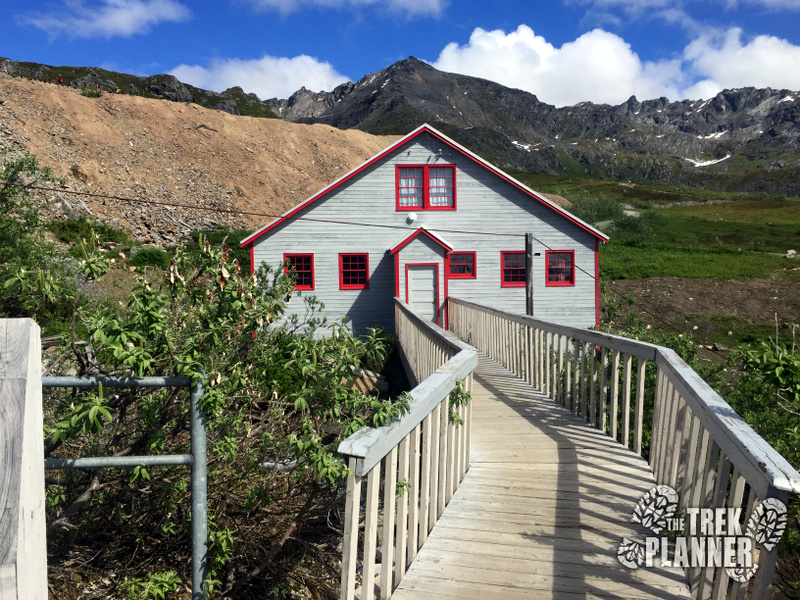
[
  {"x": 350, "y": 541},
  {"x": 23, "y": 549}
]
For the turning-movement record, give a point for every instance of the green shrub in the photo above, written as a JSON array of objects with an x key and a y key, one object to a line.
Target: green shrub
[
  {"x": 84, "y": 228},
  {"x": 593, "y": 209},
  {"x": 150, "y": 257},
  {"x": 91, "y": 92}
]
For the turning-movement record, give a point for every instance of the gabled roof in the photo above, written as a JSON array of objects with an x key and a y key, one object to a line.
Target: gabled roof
[
  {"x": 406, "y": 240},
  {"x": 293, "y": 213}
]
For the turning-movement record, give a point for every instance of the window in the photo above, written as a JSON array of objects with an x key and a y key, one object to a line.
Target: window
[
  {"x": 353, "y": 271},
  {"x": 426, "y": 187},
  {"x": 302, "y": 265},
  {"x": 462, "y": 265},
  {"x": 513, "y": 266},
  {"x": 560, "y": 267}
]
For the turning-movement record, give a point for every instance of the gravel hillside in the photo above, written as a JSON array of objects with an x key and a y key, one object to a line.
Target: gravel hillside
[{"x": 149, "y": 151}]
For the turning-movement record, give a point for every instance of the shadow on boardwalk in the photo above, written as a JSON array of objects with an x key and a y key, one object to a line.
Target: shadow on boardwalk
[{"x": 542, "y": 510}]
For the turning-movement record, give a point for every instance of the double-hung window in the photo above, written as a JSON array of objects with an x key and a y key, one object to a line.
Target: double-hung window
[
  {"x": 301, "y": 266},
  {"x": 354, "y": 271},
  {"x": 462, "y": 265},
  {"x": 512, "y": 265},
  {"x": 426, "y": 187},
  {"x": 560, "y": 267}
]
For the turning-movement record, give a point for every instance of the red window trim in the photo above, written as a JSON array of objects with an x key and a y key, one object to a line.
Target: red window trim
[
  {"x": 425, "y": 187},
  {"x": 451, "y": 275},
  {"x": 287, "y": 256},
  {"x": 503, "y": 282},
  {"x": 547, "y": 280},
  {"x": 354, "y": 286}
]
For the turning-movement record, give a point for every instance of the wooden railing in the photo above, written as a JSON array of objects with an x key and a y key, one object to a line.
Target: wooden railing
[
  {"x": 415, "y": 464},
  {"x": 699, "y": 446},
  {"x": 23, "y": 550}
]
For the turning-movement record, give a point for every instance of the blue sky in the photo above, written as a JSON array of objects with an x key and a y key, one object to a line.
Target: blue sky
[{"x": 564, "y": 51}]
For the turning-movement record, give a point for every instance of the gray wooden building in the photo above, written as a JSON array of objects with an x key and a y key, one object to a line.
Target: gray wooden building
[{"x": 426, "y": 219}]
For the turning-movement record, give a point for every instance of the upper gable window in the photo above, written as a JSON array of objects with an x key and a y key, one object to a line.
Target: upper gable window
[{"x": 426, "y": 187}]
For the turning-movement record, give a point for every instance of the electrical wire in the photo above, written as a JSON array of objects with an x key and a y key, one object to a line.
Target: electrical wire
[{"x": 325, "y": 221}]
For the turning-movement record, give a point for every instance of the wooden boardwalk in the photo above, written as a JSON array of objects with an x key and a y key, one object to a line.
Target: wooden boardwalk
[{"x": 542, "y": 510}]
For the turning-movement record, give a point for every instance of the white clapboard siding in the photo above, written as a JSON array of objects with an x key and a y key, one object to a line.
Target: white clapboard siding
[
  {"x": 23, "y": 551},
  {"x": 485, "y": 204}
]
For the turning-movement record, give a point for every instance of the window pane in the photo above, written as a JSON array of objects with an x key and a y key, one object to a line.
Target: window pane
[
  {"x": 514, "y": 267},
  {"x": 560, "y": 268},
  {"x": 354, "y": 270},
  {"x": 410, "y": 186},
  {"x": 462, "y": 264},
  {"x": 440, "y": 186},
  {"x": 303, "y": 269}
]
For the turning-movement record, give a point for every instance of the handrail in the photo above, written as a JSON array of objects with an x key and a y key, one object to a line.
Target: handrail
[
  {"x": 699, "y": 445},
  {"x": 415, "y": 463}
]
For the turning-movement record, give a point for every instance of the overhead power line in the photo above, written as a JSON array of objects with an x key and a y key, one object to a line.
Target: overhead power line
[{"x": 314, "y": 220}]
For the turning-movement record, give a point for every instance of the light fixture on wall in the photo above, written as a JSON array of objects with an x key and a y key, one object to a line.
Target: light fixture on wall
[{"x": 411, "y": 217}]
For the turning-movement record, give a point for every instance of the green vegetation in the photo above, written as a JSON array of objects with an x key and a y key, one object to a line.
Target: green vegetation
[
  {"x": 276, "y": 398},
  {"x": 661, "y": 260},
  {"x": 91, "y": 92},
  {"x": 150, "y": 257},
  {"x": 231, "y": 238}
]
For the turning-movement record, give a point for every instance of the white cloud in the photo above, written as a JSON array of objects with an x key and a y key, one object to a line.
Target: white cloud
[
  {"x": 410, "y": 8},
  {"x": 602, "y": 68},
  {"x": 267, "y": 77},
  {"x": 598, "y": 66},
  {"x": 107, "y": 18},
  {"x": 772, "y": 4},
  {"x": 721, "y": 60}
]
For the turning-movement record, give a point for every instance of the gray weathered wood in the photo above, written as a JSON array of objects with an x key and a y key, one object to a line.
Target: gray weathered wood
[
  {"x": 371, "y": 532},
  {"x": 758, "y": 462},
  {"x": 350, "y": 543},
  {"x": 23, "y": 552}
]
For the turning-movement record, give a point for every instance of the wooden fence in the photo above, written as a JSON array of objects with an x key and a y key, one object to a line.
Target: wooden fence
[
  {"x": 415, "y": 464},
  {"x": 699, "y": 445},
  {"x": 23, "y": 548}
]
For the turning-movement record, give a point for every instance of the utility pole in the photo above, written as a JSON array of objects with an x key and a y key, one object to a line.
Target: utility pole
[{"x": 529, "y": 274}]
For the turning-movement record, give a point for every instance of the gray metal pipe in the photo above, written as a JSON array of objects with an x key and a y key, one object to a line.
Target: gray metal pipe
[
  {"x": 197, "y": 459},
  {"x": 108, "y": 462},
  {"x": 199, "y": 492},
  {"x": 116, "y": 382}
]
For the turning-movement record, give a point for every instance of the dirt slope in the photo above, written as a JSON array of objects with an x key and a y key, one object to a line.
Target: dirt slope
[{"x": 156, "y": 150}]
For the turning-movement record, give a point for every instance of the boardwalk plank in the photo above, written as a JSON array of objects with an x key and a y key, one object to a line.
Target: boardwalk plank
[{"x": 541, "y": 511}]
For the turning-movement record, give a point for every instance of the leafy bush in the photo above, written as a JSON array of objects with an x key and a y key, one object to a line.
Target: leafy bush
[
  {"x": 84, "y": 228},
  {"x": 150, "y": 257},
  {"x": 767, "y": 394},
  {"x": 593, "y": 209},
  {"x": 91, "y": 92},
  {"x": 232, "y": 238},
  {"x": 275, "y": 394}
]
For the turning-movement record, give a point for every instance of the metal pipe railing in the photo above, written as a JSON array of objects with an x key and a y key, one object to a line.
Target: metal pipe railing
[{"x": 196, "y": 459}]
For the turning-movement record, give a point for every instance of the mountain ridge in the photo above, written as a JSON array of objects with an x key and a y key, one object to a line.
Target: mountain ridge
[
  {"x": 745, "y": 139},
  {"x": 662, "y": 141}
]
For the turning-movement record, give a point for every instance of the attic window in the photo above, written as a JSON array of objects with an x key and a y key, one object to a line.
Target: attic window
[
  {"x": 426, "y": 187},
  {"x": 302, "y": 267},
  {"x": 560, "y": 267}
]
